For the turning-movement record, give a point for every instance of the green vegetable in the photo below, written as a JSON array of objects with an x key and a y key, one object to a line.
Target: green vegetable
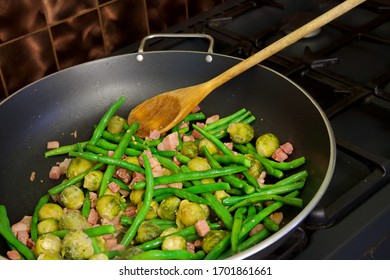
[
  {"x": 266, "y": 144},
  {"x": 241, "y": 133},
  {"x": 169, "y": 255},
  {"x": 35, "y": 216},
  {"x": 77, "y": 245},
  {"x": 72, "y": 197}
]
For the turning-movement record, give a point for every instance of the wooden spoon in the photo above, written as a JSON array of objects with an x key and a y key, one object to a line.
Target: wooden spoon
[{"x": 164, "y": 111}]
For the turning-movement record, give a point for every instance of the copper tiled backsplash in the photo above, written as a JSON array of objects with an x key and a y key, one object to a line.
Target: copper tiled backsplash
[{"x": 40, "y": 37}]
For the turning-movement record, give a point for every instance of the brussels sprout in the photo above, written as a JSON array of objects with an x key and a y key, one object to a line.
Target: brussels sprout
[
  {"x": 147, "y": 231},
  {"x": 47, "y": 243},
  {"x": 241, "y": 133},
  {"x": 169, "y": 231},
  {"x": 93, "y": 180},
  {"x": 73, "y": 220},
  {"x": 116, "y": 124},
  {"x": 133, "y": 160},
  {"x": 131, "y": 252},
  {"x": 189, "y": 213},
  {"x": 220, "y": 195},
  {"x": 204, "y": 142},
  {"x": 76, "y": 245},
  {"x": 189, "y": 149},
  {"x": 47, "y": 225},
  {"x": 168, "y": 208},
  {"x": 198, "y": 164},
  {"x": 266, "y": 144},
  {"x": 49, "y": 255},
  {"x": 72, "y": 197},
  {"x": 136, "y": 196},
  {"x": 77, "y": 166},
  {"x": 212, "y": 238},
  {"x": 108, "y": 206},
  {"x": 256, "y": 167},
  {"x": 152, "y": 212},
  {"x": 101, "y": 256},
  {"x": 174, "y": 242},
  {"x": 50, "y": 210}
]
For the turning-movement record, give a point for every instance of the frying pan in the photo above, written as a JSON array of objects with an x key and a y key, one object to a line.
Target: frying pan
[{"x": 66, "y": 105}]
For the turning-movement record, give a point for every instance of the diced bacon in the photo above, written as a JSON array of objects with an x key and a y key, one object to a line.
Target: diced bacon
[
  {"x": 53, "y": 145},
  {"x": 113, "y": 245},
  {"x": 212, "y": 119},
  {"x": 131, "y": 211},
  {"x": 198, "y": 243},
  {"x": 55, "y": 172},
  {"x": 229, "y": 145},
  {"x": 157, "y": 171},
  {"x": 202, "y": 227},
  {"x": 123, "y": 174},
  {"x": 257, "y": 228},
  {"x": 176, "y": 161},
  {"x": 22, "y": 225},
  {"x": 170, "y": 142},
  {"x": 196, "y": 109},
  {"x": 177, "y": 185},
  {"x": 93, "y": 217},
  {"x": 154, "y": 134},
  {"x": 115, "y": 222},
  {"x": 124, "y": 193},
  {"x": 137, "y": 177},
  {"x": 93, "y": 198},
  {"x": 187, "y": 138},
  {"x": 287, "y": 148},
  {"x": 190, "y": 247},
  {"x": 30, "y": 244},
  {"x": 153, "y": 161},
  {"x": 184, "y": 125},
  {"x": 64, "y": 165},
  {"x": 13, "y": 255},
  {"x": 23, "y": 236},
  {"x": 114, "y": 187},
  {"x": 279, "y": 155},
  {"x": 196, "y": 134},
  {"x": 261, "y": 179},
  {"x": 277, "y": 217},
  {"x": 110, "y": 153}
]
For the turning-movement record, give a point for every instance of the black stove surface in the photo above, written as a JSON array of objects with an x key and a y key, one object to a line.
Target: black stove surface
[{"x": 345, "y": 66}]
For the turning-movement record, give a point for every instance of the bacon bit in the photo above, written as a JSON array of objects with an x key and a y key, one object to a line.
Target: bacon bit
[
  {"x": 123, "y": 174},
  {"x": 32, "y": 176},
  {"x": 287, "y": 148},
  {"x": 202, "y": 227},
  {"x": 196, "y": 109},
  {"x": 114, "y": 187},
  {"x": 177, "y": 185},
  {"x": 23, "y": 236},
  {"x": 131, "y": 211},
  {"x": 157, "y": 171},
  {"x": 53, "y": 145},
  {"x": 212, "y": 119},
  {"x": 93, "y": 217},
  {"x": 137, "y": 177},
  {"x": 229, "y": 145},
  {"x": 169, "y": 143},
  {"x": 110, "y": 153},
  {"x": 279, "y": 155},
  {"x": 187, "y": 138},
  {"x": 184, "y": 125},
  {"x": 198, "y": 243},
  {"x": 64, "y": 165},
  {"x": 55, "y": 172},
  {"x": 190, "y": 247},
  {"x": 153, "y": 161},
  {"x": 22, "y": 225},
  {"x": 154, "y": 134},
  {"x": 93, "y": 198},
  {"x": 277, "y": 217},
  {"x": 13, "y": 255},
  {"x": 257, "y": 228}
]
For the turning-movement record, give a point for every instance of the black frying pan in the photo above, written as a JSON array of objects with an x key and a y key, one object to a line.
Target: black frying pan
[{"x": 74, "y": 100}]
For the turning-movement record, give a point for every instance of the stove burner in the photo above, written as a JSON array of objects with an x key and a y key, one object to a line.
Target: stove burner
[{"x": 293, "y": 21}]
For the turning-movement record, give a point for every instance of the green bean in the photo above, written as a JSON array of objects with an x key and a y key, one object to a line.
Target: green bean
[
  {"x": 246, "y": 227},
  {"x": 91, "y": 232},
  {"x": 105, "y": 119},
  {"x": 121, "y": 184},
  {"x": 167, "y": 163},
  {"x": 183, "y": 159},
  {"x": 233, "y": 159},
  {"x": 225, "y": 120},
  {"x": 210, "y": 187},
  {"x": 247, "y": 243},
  {"x": 108, "y": 160},
  {"x": 169, "y": 255},
  {"x": 86, "y": 208},
  {"x": 148, "y": 196},
  {"x": 270, "y": 224},
  {"x": 63, "y": 150},
  {"x": 219, "y": 210},
  {"x": 167, "y": 153},
  {"x": 223, "y": 128},
  {"x": 194, "y": 117},
  {"x": 95, "y": 245},
  {"x": 193, "y": 175},
  {"x": 104, "y": 144},
  {"x": 34, "y": 220},
  {"x": 184, "y": 194},
  {"x": 96, "y": 150},
  {"x": 297, "y": 177},
  {"x": 116, "y": 138},
  {"x": 6, "y": 232},
  {"x": 127, "y": 221},
  {"x": 118, "y": 154},
  {"x": 237, "y": 222},
  {"x": 57, "y": 189}
]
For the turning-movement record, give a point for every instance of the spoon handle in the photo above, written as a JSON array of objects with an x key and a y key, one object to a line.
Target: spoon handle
[{"x": 283, "y": 42}]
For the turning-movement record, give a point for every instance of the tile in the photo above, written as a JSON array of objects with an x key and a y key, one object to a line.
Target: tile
[
  {"x": 57, "y": 10},
  {"x": 18, "y": 18},
  {"x": 165, "y": 13},
  {"x": 196, "y": 7},
  {"x": 26, "y": 60},
  {"x": 78, "y": 39},
  {"x": 123, "y": 22}
]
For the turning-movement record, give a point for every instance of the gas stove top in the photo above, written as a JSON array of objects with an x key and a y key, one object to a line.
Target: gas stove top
[{"x": 345, "y": 66}]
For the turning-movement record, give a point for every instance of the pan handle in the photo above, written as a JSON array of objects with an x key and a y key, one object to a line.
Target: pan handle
[{"x": 178, "y": 35}]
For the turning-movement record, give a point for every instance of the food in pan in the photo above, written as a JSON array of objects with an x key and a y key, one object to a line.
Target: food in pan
[{"x": 208, "y": 189}]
